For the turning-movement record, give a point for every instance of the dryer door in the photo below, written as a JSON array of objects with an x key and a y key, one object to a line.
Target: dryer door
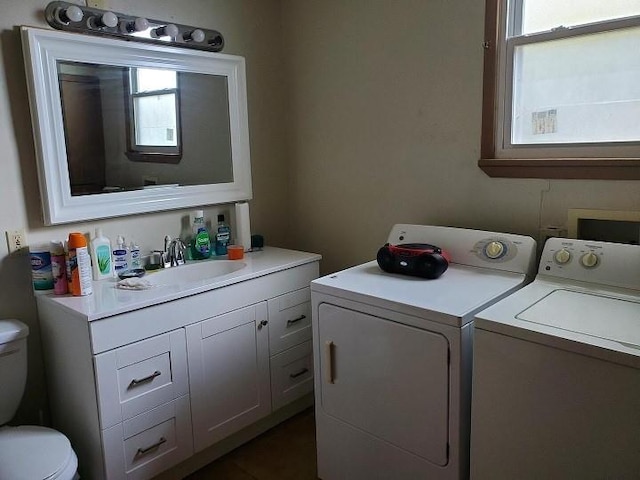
[{"x": 385, "y": 378}]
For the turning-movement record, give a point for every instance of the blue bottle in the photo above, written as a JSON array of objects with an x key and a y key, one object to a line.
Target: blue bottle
[{"x": 223, "y": 234}]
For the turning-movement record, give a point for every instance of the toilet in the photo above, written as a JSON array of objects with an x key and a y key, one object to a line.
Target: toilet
[{"x": 26, "y": 452}]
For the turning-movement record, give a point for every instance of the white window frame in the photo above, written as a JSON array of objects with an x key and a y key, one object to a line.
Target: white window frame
[
  {"x": 611, "y": 160},
  {"x": 152, "y": 153}
]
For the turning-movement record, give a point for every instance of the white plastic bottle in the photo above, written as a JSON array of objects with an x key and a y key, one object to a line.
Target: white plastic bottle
[
  {"x": 134, "y": 256},
  {"x": 101, "y": 263},
  {"x": 120, "y": 256}
]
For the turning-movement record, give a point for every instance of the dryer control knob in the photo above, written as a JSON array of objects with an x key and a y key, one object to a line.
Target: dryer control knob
[
  {"x": 562, "y": 256},
  {"x": 494, "y": 249},
  {"x": 589, "y": 260}
]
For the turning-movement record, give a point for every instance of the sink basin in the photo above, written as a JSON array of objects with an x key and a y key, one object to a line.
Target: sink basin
[{"x": 195, "y": 272}]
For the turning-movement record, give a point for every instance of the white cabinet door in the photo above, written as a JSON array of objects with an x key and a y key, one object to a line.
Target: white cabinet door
[
  {"x": 385, "y": 378},
  {"x": 228, "y": 359}
]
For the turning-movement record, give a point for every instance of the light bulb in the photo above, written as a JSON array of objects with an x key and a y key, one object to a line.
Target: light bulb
[
  {"x": 72, "y": 13},
  {"x": 140, "y": 24},
  {"x": 109, "y": 19},
  {"x": 169, "y": 30},
  {"x": 196, "y": 35}
]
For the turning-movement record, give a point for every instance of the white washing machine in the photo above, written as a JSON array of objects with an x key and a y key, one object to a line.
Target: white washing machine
[
  {"x": 556, "y": 385},
  {"x": 393, "y": 356}
]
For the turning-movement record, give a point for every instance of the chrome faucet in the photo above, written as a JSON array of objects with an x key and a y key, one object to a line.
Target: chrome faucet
[{"x": 172, "y": 254}]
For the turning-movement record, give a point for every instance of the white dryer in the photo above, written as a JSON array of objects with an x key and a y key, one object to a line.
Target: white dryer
[
  {"x": 556, "y": 386},
  {"x": 393, "y": 356}
]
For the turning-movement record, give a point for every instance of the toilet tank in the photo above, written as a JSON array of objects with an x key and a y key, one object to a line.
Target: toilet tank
[{"x": 13, "y": 366}]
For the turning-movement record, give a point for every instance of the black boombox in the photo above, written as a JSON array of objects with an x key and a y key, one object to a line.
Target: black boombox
[{"x": 415, "y": 259}]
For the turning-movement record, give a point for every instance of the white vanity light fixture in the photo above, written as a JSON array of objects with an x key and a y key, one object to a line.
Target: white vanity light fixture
[{"x": 71, "y": 17}]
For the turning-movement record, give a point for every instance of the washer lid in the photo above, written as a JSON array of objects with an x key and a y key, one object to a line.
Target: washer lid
[
  {"x": 590, "y": 314},
  {"x": 11, "y": 330},
  {"x": 31, "y": 452}
]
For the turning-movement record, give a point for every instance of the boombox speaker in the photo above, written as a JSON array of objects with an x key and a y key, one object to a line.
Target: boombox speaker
[{"x": 415, "y": 259}]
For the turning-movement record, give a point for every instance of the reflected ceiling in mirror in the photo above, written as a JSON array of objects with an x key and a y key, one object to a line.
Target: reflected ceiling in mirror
[{"x": 124, "y": 128}]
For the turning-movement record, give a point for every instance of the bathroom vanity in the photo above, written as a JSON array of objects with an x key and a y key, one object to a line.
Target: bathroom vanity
[{"x": 214, "y": 353}]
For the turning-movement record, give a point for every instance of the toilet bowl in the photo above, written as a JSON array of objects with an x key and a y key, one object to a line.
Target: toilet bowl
[
  {"x": 32, "y": 452},
  {"x": 26, "y": 452}
]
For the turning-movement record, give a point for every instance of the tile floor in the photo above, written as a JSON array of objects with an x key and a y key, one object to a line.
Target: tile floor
[{"x": 286, "y": 452}]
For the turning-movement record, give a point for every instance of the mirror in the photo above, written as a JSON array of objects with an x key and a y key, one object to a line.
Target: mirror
[{"x": 124, "y": 127}]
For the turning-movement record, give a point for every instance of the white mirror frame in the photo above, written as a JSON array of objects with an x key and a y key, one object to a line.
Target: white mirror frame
[{"x": 44, "y": 48}]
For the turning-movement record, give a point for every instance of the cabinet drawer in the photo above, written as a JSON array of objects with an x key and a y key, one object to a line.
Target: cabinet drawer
[
  {"x": 289, "y": 320},
  {"x": 141, "y": 376},
  {"x": 291, "y": 374},
  {"x": 148, "y": 444}
]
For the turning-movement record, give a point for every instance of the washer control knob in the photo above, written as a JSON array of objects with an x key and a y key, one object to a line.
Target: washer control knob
[
  {"x": 494, "y": 249},
  {"x": 562, "y": 256},
  {"x": 589, "y": 260}
]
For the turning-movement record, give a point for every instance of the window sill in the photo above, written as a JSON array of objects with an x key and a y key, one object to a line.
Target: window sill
[
  {"x": 153, "y": 157},
  {"x": 567, "y": 168}
]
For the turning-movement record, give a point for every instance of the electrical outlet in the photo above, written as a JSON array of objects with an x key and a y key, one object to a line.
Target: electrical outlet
[{"x": 16, "y": 240}]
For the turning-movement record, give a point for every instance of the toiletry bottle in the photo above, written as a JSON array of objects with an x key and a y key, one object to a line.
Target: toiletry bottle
[
  {"x": 101, "y": 256},
  {"x": 41, "y": 272},
  {"x": 68, "y": 264},
  {"x": 201, "y": 242},
  {"x": 223, "y": 234},
  {"x": 80, "y": 265},
  {"x": 58, "y": 268},
  {"x": 134, "y": 256},
  {"x": 120, "y": 257}
]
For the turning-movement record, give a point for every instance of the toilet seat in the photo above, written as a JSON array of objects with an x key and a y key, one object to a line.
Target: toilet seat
[{"x": 30, "y": 452}]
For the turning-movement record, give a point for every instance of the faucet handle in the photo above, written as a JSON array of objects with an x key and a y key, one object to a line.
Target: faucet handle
[
  {"x": 165, "y": 262},
  {"x": 176, "y": 252}
]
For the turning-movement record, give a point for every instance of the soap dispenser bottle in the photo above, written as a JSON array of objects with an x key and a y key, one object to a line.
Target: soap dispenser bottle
[
  {"x": 201, "y": 242},
  {"x": 223, "y": 234},
  {"x": 120, "y": 256}
]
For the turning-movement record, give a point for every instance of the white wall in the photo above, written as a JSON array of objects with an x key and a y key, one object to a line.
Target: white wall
[
  {"x": 384, "y": 109},
  {"x": 248, "y": 27}
]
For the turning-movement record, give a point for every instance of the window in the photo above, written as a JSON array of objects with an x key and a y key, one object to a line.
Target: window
[
  {"x": 153, "y": 116},
  {"x": 562, "y": 89}
]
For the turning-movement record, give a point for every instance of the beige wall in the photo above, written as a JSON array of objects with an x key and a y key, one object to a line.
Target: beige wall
[
  {"x": 374, "y": 120},
  {"x": 250, "y": 29},
  {"x": 384, "y": 108}
]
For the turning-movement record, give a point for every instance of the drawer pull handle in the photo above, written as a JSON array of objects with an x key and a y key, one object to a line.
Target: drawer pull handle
[
  {"x": 263, "y": 323},
  {"x": 328, "y": 350},
  {"x": 137, "y": 381},
  {"x": 144, "y": 451},
  {"x": 295, "y": 320},
  {"x": 297, "y": 374}
]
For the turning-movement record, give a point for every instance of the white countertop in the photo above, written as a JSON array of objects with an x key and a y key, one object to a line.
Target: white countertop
[{"x": 108, "y": 300}]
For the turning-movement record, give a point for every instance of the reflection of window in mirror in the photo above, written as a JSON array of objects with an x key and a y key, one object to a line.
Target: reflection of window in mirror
[{"x": 153, "y": 115}]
